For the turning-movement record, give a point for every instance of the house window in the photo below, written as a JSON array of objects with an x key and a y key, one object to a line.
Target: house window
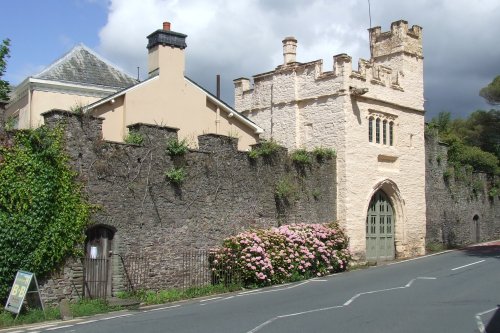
[
  {"x": 377, "y": 131},
  {"x": 391, "y": 133},
  {"x": 384, "y": 132},
  {"x": 370, "y": 129}
]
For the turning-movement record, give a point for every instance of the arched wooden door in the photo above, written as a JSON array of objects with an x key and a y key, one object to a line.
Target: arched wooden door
[
  {"x": 476, "y": 230},
  {"x": 380, "y": 228},
  {"x": 97, "y": 266}
]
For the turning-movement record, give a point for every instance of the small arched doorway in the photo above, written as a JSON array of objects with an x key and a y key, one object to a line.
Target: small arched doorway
[
  {"x": 476, "y": 230},
  {"x": 97, "y": 266},
  {"x": 380, "y": 228}
]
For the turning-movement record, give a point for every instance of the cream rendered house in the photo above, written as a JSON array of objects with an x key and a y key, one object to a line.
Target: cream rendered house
[
  {"x": 78, "y": 78},
  {"x": 168, "y": 98},
  {"x": 373, "y": 117}
]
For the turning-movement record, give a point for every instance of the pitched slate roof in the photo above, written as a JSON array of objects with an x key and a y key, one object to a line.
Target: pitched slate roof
[{"x": 81, "y": 65}]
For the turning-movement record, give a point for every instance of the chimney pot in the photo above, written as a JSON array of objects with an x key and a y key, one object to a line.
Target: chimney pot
[
  {"x": 289, "y": 50},
  {"x": 166, "y": 26}
]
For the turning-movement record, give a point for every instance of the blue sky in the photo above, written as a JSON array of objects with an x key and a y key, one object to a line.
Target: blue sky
[
  {"x": 42, "y": 31},
  {"x": 243, "y": 38}
]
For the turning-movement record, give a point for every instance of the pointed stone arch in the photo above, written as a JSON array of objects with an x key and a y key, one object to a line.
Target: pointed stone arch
[{"x": 391, "y": 191}]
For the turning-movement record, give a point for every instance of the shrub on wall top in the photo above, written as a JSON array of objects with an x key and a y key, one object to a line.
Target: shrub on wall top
[{"x": 290, "y": 252}]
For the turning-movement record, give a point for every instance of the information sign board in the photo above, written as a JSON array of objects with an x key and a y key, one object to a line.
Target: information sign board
[{"x": 18, "y": 291}]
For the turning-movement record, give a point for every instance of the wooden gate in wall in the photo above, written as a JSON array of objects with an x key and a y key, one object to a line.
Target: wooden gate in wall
[{"x": 97, "y": 263}]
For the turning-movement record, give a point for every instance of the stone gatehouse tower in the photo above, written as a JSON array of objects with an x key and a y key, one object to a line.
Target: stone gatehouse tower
[{"x": 373, "y": 117}]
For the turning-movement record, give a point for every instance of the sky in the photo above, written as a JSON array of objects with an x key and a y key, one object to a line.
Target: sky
[{"x": 241, "y": 38}]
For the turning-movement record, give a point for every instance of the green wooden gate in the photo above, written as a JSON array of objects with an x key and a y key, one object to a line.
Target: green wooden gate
[{"x": 379, "y": 229}]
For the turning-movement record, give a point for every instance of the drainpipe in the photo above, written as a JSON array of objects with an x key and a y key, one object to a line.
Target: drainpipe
[
  {"x": 30, "y": 98},
  {"x": 217, "y": 114}
]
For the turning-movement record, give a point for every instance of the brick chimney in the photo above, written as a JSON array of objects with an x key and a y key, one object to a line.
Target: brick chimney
[
  {"x": 166, "y": 51},
  {"x": 289, "y": 50}
]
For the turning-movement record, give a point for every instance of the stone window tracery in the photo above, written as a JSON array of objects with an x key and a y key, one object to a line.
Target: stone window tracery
[
  {"x": 377, "y": 130},
  {"x": 384, "y": 132},
  {"x": 383, "y": 124},
  {"x": 370, "y": 129},
  {"x": 391, "y": 133}
]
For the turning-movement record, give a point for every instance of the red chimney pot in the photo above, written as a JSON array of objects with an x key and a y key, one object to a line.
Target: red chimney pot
[{"x": 166, "y": 26}]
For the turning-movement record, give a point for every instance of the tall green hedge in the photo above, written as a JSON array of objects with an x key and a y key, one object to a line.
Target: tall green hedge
[{"x": 43, "y": 213}]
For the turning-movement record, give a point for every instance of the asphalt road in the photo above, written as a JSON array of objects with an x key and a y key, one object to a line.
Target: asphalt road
[{"x": 457, "y": 291}]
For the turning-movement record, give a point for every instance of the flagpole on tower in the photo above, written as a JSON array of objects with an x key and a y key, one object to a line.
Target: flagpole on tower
[{"x": 370, "y": 34}]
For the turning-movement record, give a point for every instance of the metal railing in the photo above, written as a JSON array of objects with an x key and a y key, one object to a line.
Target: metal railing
[
  {"x": 136, "y": 269},
  {"x": 200, "y": 270}
]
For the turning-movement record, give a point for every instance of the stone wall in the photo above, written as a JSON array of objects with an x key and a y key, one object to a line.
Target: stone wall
[
  {"x": 454, "y": 205},
  {"x": 225, "y": 192}
]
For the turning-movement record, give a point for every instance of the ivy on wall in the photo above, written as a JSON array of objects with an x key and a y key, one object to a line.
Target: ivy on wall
[{"x": 43, "y": 213}]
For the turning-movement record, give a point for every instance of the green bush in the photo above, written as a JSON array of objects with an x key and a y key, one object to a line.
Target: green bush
[
  {"x": 43, "y": 213},
  {"x": 176, "y": 147},
  {"x": 478, "y": 186},
  {"x": 134, "y": 138},
  {"x": 285, "y": 189},
  {"x": 460, "y": 154},
  {"x": 432, "y": 247},
  {"x": 176, "y": 175},
  {"x": 324, "y": 153},
  {"x": 301, "y": 157},
  {"x": 266, "y": 149},
  {"x": 448, "y": 173}
]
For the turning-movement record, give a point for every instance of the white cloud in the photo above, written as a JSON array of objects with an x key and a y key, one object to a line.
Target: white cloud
[{"x": 243, "y": 38}]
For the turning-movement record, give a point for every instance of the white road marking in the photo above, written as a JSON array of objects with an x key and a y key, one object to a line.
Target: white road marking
[
  {"x": 114, "y": 317},
  {"x": 163, "y": 308},
  {"x": 260, "y": 291},
  {"x": 39, "y": 327},
  {"x": 249, "y": 292},
  {"x": 417, "y": 258},
  {"x": 348, "y": 302},
  {"x": 210, "y": 299},
  {"x": 16, "y": 332},
  {"x": 58, "y": 327},
  {"x": 262, "y": 325},
  {"x": 477, "y": 262},
  {"x": 479, "y": 321},
  {"x": 87, "y": 322}
]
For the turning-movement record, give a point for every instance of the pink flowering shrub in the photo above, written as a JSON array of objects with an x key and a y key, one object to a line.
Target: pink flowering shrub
[{"x": 290, "y": 252}]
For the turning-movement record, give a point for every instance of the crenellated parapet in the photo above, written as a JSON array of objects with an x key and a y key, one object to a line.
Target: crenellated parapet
[
  {"x": 394, "y": 72},
  {"x": 400, "y": 39},
  {"x": 375, "y": 74}
]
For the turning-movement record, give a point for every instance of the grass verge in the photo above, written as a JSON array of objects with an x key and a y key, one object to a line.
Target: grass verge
[
  {"x": 151, "y": 297},
  {"x": 84, "y": 307}
]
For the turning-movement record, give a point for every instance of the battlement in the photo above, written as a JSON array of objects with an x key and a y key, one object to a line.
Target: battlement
[
  {"x": 399, "y": 39},
  {"x": 394, "y": 73}
]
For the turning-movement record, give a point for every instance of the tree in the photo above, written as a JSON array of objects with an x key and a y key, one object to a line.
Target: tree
[
  {"x": 492, "y": 92},
  {"x": 474, "y": 141},
  {"x": 442, "y": 122},
  {"x": 4, "y": 54}
]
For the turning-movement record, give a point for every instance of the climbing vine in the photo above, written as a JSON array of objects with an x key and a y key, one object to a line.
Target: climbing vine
[{"x": 42, "y": 210}]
